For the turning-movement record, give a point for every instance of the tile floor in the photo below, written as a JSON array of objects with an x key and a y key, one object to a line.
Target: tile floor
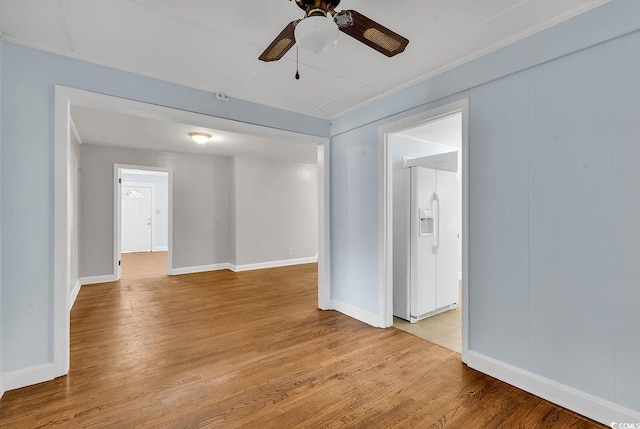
[{"x": 444, "y": 329}]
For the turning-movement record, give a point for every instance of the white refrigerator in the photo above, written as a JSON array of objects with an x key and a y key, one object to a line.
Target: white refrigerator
[{"x": 434, "y": 237}]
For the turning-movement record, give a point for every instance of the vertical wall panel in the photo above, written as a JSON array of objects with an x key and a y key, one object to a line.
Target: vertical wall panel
[
  {"x": 498, "y": 149},
  {"x": 543, "y": 180},
  {"x": 569, "y": 134},
  {"x": 596, "y": 223},
  {"x": 625, "y": 139},
  {"x": 354, "y": 225}
]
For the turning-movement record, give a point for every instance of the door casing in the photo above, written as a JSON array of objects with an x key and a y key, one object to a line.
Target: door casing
[{"x": 385, "y": 210}]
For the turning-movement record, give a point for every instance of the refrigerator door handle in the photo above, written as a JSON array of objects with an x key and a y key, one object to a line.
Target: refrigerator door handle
[{"x": 435, "y": 207}]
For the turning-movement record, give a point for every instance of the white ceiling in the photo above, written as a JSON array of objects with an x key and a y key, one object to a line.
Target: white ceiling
[
  {"x": 108, "y": 128},
  {"x": 214, "y": 45},
  {"x": 444, "y": 131}
]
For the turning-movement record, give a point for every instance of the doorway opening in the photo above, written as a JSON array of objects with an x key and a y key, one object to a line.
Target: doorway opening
[
  {"x": 65, "y": 98},
  {"x": 424, "y": 285},
  {"x": 144, "y": 223}
]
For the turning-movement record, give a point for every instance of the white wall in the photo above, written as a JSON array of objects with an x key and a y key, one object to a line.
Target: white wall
[
  {"x": 161, "y": 216},
  {"x": 553, "y": 176},
  {"x": 276, "y": 210},
  {"x": 200, "y": 196}
]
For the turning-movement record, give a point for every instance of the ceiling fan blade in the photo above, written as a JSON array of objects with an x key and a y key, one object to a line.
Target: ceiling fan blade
[
  {"x": 281, "y": 45},
  {"x": 370, "y": 32}
]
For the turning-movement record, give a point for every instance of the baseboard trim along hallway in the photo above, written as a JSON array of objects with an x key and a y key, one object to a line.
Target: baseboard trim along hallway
[
  {"x": 274, "y": 264},
  {"x": 355, "y": 312},
  {"x": 28, "y": 376},
  {"x": 590, "y": 406}
]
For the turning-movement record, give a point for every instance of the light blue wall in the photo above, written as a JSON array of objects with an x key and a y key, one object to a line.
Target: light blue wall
[
  {"x": 26, "y": 173},
  {"x": 161, "y": 217},
  {"x": 354, "y": 218},
  {"x": 554, "y": 153}
]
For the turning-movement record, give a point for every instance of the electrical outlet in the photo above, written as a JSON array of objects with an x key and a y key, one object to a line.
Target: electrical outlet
[
  {"x": 291, "y": 252},
  {"x": 222, "y": 96}
]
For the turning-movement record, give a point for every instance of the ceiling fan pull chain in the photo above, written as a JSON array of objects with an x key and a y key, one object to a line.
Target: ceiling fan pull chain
[{"x": 297, "y": 72}]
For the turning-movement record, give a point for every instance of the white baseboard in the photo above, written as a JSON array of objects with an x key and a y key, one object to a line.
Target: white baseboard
[
  {"x": 28, "y": 376},
  {"x": 161, "y": 248},
  {"x": 245, "y": 267},
  {"x": 356, "y": 313},
  {"x": 274, "y": 264},
  {"x": 74, "y": 293},
  {"x": 201, "y": 269},
  {"x": 97, "y": 279},
  {"x": 573, "y": 399}
]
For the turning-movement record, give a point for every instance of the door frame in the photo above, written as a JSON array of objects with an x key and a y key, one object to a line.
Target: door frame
[
  {"x": 117, "y": 213},
  {"x": 63, "y": 99},
  {"x": 385, "y": 210}
]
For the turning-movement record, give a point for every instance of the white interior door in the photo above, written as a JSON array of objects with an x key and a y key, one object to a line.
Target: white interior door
[{"x": 136, "y": 218}]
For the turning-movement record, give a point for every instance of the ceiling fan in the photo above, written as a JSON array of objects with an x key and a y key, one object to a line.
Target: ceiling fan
[{"x": 318, "y": 31}]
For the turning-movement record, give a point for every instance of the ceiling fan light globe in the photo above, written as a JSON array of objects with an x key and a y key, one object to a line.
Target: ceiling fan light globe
[{"x": 316, "y": 34}]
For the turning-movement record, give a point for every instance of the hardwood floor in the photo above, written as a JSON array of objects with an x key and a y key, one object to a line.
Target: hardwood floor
[
  {"x": 143, "y": 265},
  {"x": 250, "y": 350}
]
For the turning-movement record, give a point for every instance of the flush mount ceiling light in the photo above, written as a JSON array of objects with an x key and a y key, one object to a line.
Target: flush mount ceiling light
[{"x": 200, "y": 138}]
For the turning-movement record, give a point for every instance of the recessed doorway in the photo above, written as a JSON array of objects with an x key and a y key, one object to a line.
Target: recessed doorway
[
  {"x": 425, "y": 241},
  {"x": 142, "y": 221}
]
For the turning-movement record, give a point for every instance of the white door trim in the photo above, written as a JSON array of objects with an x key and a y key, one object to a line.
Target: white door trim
[
  {"x": 64, "y": 97},
  {"x": 385, "y": 209},
  {"x": 325, "y": 301},
  {"x": 62, "y": 233}
]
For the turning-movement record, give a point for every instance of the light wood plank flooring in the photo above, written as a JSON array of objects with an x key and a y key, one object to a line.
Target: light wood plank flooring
[
  {"x": 251, "y": 350},
  {"x": 143, "y": 265}
]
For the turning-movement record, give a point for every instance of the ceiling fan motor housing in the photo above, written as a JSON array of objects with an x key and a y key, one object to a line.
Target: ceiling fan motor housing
[{"x": 317, "y": 7}]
